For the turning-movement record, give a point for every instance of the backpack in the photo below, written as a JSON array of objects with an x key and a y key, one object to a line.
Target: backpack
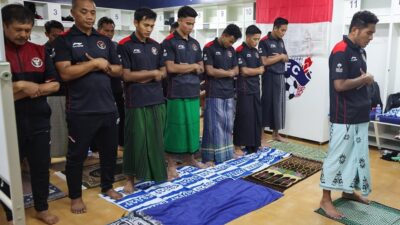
[{"x": 393, "y": 101}]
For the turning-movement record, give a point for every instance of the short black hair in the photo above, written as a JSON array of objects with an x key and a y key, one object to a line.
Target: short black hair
[
  {"x": 278, "y": 22},
  {"x": 73, "y": 2},
  {"x": 362, "y": 19},
  {"x": 16, "y": 13},
  {"x": 53, "y": 24},
  {"x": 104, "y": 20},
  {"x": 174, "y": 25},
  {"x": 145, "y": 13},
  {"x": 252, "y": 29},
  {"x": 187, "y": 11},
  {"x": 233, "y": 30}
]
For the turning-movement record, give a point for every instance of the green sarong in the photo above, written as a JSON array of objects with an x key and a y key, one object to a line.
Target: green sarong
[
  {"x": 144, "y": 143},
  {"x": 182, "y": 131}
]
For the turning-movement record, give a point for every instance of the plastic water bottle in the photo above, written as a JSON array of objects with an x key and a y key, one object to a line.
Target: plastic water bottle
[{"x": 378, "y": 111}]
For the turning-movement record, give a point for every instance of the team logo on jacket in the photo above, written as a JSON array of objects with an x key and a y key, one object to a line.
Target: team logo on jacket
[
  {"x": 339, "y": 68},
  {"x": 195, "y": 48},
  {"x": 77, "y": 45},
  {"x": 101, "y": 45},
  {"x": 229, "y": 54},
  {"x": 37, "y": 62},
  {"x": 154, "y": 50}
]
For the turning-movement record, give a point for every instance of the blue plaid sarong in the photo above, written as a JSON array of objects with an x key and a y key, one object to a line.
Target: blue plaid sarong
[{"x": 217, "y": 141}]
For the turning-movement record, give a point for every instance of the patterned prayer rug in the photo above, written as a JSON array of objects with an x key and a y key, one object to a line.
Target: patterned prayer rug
[
  {"x": 193, "y": 180},
  {"x": 286, "y": 173},
  {"x": 91, "y": 174},
  {"x": 54, "y": 192},
  {"x": 135, "y": 218},
  {"x": 303, "y": 151},
  {"x": 357, "y": 213}
]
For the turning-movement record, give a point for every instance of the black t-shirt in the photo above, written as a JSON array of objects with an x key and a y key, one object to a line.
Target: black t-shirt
[
  {"x": 182, "y": 51},
  {"x": 248, "y": 57},
  {"x": 269, "y": 46},
  {"x": 219, "y": 57},
  {"x": 92, "y": 92},
  {"x": 30, "y": 62},
  {"x": 137, "y": 55},
  {"x": 52, "y": 53},
  {"x": 116, "y": 82},
  {"x": 345, "y": 62}
]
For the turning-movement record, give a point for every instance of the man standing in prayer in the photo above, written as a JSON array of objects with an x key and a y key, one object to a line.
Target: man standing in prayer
[
  {"x": 145, "y": 109},
  {"x": 346, "y": 166},
  {"x": 274, "y": 56},
  {"x": 86, "y": 60},
  {"x": 247, "y": 126},
  {"x": 34, "y": 77},
  {"x": 220, "y": 68},
  {"x": 183, "y": 60}
]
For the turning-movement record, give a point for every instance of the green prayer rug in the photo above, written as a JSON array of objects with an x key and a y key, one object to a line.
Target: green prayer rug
[
  {"x": 302, "y": 151},
  {"x": 357, "y": 213}
]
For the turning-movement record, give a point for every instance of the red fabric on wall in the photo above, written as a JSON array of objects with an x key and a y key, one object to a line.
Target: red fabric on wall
[{"x": 296, "y": 11}]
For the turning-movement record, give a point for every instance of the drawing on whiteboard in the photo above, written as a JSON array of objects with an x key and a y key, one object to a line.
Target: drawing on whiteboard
[{"x": 307, "y": 39}]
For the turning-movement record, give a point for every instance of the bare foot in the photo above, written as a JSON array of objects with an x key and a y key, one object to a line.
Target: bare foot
[
  {"x": 279, "y": 138},
  {"x": 172, "y": 173},
  {"x": 10, "y": 223},
  {"x": 113, "y": 194},
  {"x": 120, "y": 148},
  {"x": 129, "y": 187},
  {"x": 239, "y": 152},
  {"x": 210, "y": 164},
  {"x": 330, "y": 210},
  {"x": 197, "y": 164},
  {"x": 77, "y": 206},
  {"x": 356, "y": 197},
  {"x": 47, "y": 217}
]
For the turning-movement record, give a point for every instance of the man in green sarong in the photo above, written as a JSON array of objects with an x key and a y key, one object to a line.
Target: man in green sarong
[
  {"x": 144, "y": 102},
  {"x": 183, "y": 61}
]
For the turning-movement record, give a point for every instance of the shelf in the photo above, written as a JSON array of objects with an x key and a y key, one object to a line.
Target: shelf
[
  {"x": 372, "y": 143},
  {"x": 387, "y": 124},
  {"x": 41, "y": 23},
  {"x": 381, "y": 7},
  {"x": 371, "y": 133},
  {"x": 390, "y": 147},
  {"x": 388, "y": 136}
]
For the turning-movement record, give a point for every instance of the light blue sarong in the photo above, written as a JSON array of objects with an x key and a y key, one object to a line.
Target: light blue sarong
[{"x": 346, "y": 166}]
